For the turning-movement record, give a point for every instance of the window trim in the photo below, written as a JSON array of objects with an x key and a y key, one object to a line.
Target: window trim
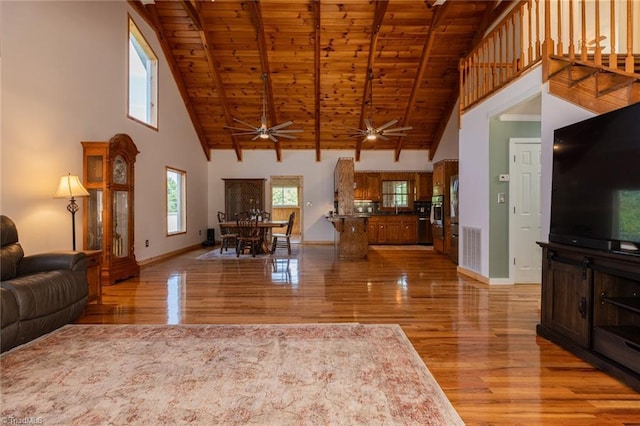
[
  {"x": 183, "y": 200},
  {"x": 133, "y": 29}
]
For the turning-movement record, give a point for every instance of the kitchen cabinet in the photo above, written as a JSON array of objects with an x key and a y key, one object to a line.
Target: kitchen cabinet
[
  {"x": 392, "y": 229},
  {"x": 591, "y": 306},
  {"x": 367, "y": 186},
  {"x": 442, "y": 173},
  {"x": 424, "y": 186}
]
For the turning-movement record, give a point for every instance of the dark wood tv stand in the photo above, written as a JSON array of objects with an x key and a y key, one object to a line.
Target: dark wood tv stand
[{"x": 591, "y": 307}]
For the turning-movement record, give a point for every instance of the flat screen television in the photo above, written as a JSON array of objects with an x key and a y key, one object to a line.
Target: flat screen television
[{"x": 595, "y": 190}]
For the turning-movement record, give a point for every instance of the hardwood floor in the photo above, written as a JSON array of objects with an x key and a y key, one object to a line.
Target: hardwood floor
[{"x": 479, "y": 342}]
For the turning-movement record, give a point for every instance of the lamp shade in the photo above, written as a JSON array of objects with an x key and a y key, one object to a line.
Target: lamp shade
[{"x": 70, "y": 187}]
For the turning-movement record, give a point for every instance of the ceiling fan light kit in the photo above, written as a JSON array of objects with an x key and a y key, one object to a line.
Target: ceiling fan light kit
[
  {"x": 263, "y": 131},
  {"x": 372, "y": 133}
]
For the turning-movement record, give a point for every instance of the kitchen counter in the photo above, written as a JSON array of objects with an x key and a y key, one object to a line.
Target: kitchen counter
[{"x": 351, "y": 231}]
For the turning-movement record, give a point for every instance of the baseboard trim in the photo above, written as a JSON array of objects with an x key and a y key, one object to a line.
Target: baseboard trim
[
  {"x": 473, "y": 274},
  {"x": 168, "y": 255}
]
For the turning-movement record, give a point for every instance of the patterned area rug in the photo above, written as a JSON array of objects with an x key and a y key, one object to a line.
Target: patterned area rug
[{"x": 316, "y": 374}]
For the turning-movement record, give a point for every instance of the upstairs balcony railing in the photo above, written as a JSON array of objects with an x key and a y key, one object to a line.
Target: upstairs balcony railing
[{"x": 598, "y": 33}]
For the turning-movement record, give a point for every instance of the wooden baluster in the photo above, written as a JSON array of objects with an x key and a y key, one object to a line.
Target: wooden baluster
[
  {"x": 583, "y": 19},
  {"x": 613, "y": 57},
  {"x": 537, "y": 8},
  {"x": 500, "y": 63},
  {"x": 474, "y": 79},
  {"x": 560, "y": 48},
  {"x": 530, "y": 40},
  {"x": 572, "y": 46},
  {"x": 485, "y": 72},
  {"x": 628, "y": 62},
  {"x": 493, "y": 62},
  {"x": 598, "y": 53},
  {"x": 522, "y": 57},
  {"x": 514, "y": 53}
]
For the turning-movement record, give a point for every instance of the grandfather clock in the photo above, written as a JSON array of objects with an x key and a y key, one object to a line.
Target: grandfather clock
[{"x": 108, "y": 219}]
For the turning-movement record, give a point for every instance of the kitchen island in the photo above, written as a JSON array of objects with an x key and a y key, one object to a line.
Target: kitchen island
[{"x": 351, "y": 235}]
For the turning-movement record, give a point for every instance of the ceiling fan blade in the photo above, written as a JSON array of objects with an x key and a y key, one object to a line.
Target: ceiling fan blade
[
  {"x": 288, "y": 131},
  {"x": 243, "y": 133},
  {"x": 364, "y": 140},
  {"x": 368, "y": 124},
  {"x": 400, "y": 129},
  {"x": 272, "y": 138},
  {"x": 246, "y": 124},
  {"x": 281, "y": 125},
  {"x": 255, "y": 137},
  {"x": 239, "y": 128},
  {"x": 392, "y": 135},
  {"x": 280, "y": 135},
  {"x": 384, "y": 138},
  {"x": 387, "y": 124}
]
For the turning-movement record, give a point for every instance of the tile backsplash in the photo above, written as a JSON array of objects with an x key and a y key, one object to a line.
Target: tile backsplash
[{"x": 366, "y": 207}]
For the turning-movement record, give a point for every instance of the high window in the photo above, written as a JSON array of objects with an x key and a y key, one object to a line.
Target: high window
[
  {"x": 176, "y": 201},
  {"x": 143, "y": 79}
]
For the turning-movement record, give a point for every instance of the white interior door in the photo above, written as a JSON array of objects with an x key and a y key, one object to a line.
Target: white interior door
[{"x": 524, "y": 204}]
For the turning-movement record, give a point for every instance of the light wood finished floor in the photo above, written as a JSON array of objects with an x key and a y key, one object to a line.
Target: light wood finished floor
[{"x": 479, "y": 342}]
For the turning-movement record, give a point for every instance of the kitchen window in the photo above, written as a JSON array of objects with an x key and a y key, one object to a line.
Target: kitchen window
[{"x": 395, "y": 194}]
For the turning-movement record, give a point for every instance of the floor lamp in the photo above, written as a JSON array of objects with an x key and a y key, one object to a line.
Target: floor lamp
[{"x": 70, "y": 187}]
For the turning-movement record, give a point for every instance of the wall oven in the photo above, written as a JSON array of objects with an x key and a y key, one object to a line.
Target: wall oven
[{"x": 437, "y": 210}]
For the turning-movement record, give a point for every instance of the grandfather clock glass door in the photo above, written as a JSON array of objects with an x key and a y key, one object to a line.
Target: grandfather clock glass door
[{"x": 121, "y": 223}]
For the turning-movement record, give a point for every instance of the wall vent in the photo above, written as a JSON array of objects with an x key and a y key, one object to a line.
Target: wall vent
[{"x": 471, "y": 249}]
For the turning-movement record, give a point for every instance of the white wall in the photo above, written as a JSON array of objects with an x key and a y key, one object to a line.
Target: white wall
[
  {"x": 448, "y": 147},
  {"x": 317, "y": 178},
  {"x": 474, "y": 157},
  {"x": 64, "y": 71},
  {"x": 474, "y": 152}
]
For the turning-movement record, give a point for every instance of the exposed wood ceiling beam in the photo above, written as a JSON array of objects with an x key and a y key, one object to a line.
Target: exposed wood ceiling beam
[
  {"x": 215, "y": 74},
  {"x": 438, "y": 15},
  {"x": 149, "y": 14},
  {"x": 316, "y": 36},
  {"x": 256, "y": 14},
  {"x": 381, "y": 9}
]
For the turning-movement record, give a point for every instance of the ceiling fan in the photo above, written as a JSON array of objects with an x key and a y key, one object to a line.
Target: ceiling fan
[
  {"x": 263, "y": 131},
  {"x": 370, "y": 132}
]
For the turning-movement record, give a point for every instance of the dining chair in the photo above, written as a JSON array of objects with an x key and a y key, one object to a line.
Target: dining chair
[
  {"x": 248, "y": 235},
  {"x": 283, "y": 240},
  {"x": 226, "y": 235}
]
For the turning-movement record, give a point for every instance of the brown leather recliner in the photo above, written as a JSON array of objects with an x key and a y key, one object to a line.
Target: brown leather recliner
[{"x": 38, "y": 293}]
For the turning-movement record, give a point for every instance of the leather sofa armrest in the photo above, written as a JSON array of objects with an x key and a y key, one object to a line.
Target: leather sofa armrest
[{"x": 51, "y": 261}]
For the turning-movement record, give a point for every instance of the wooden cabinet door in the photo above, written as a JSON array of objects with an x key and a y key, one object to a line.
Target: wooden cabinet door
[
  {"x": 424, "y": 186},
  {"x": 566, "y": 300},
  {"x": 409, "y": 232},
  {"x": 359, "y": 189},
  {"x": 372, "y": 185},
  {"x": 372, "y": 231},
  {"x": 393, "y": 232}
]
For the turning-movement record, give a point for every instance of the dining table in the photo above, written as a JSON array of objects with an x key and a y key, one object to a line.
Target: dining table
[{"x": 264, "y": 225}]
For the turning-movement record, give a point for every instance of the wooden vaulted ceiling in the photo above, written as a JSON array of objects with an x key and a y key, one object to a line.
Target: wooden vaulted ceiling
[{"x": 318, "y": 57}]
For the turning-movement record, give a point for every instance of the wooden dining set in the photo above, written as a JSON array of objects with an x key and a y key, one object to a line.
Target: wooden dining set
[{"x": 252, "y": 232}]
